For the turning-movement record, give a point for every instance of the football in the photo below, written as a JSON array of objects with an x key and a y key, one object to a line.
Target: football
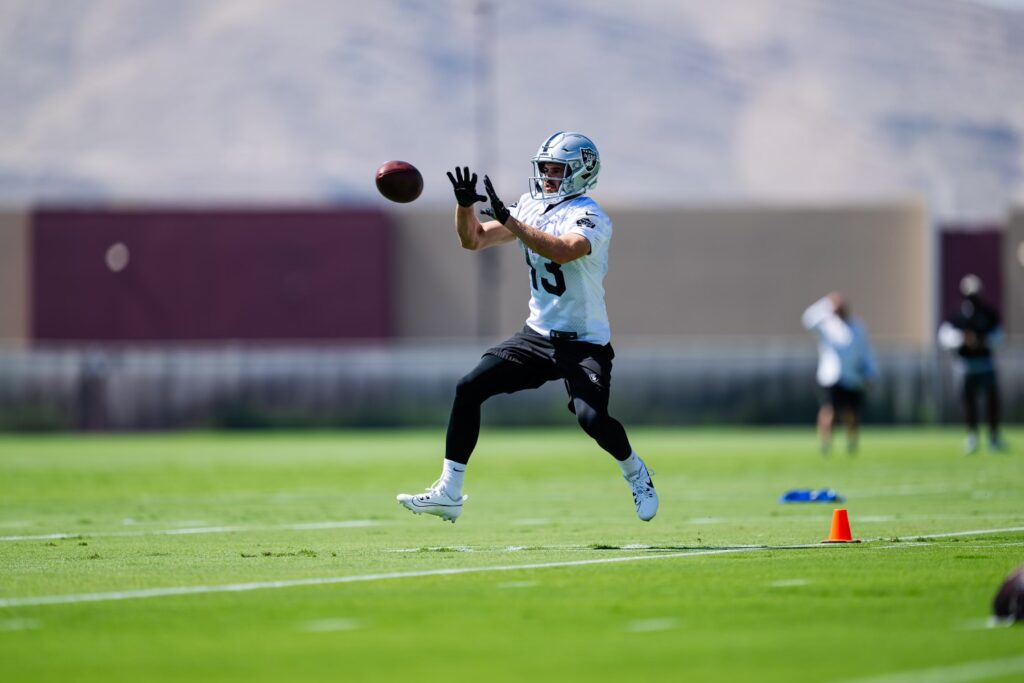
[
  {"x": 1008, "y": 604},
  {"x": 399, "y": 181}
]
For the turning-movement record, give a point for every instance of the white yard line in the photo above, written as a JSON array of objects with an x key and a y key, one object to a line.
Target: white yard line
[
  {"x": 957, "y": 673},
  {"x": 329, "y": 625},
  {"x": 18, "y": 624},
  {"x": 909, "y": 541},
  {"x": 951, "y": 534},
  {"x": 651, "y": 625},
  {"x": 589, "y": 547},
  {"x": 358, "y": 578},
  {"x": 790, "y": 583},
  {"x": 303, "y": 526}
]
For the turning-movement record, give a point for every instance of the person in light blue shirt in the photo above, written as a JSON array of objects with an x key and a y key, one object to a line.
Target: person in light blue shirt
[{"x": 846, "y": 366}]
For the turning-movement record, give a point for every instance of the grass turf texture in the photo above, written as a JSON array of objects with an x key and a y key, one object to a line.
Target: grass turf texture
[{"x": 899, "y": 602}]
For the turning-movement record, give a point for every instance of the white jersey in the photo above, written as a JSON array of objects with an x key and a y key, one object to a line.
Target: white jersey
[
  {"x": 845, "y": 356},
  {"x": 568, "y": 297}
]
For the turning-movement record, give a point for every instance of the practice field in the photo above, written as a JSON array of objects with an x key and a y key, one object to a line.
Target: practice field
[{"x": 284, "y": 557}]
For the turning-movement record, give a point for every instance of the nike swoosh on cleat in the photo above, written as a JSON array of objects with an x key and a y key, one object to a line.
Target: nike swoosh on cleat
[{"x": 434, "y": 505}]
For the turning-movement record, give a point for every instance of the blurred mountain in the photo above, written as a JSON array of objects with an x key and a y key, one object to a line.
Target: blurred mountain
[{"x": 689, "y": 101}]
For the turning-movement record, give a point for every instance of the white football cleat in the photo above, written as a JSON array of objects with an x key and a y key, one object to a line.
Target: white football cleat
[
  {"x": 433, "y": 501},
  {"x": 644, "y": 496},
  {"x": 971, "y": 444}
]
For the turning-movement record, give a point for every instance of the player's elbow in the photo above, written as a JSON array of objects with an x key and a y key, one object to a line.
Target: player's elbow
[
  {"x": 566, "y": 254},
  {"x": 565, "y": 249},
  {"x": 470, "y": 242},
  {"x": 561, "y": 259}
]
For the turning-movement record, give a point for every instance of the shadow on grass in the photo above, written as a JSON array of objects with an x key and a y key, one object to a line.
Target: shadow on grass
[{"x": 695, "y": 548}]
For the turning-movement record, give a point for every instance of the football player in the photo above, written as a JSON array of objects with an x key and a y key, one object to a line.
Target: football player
[{"x": 564, "y": 236}]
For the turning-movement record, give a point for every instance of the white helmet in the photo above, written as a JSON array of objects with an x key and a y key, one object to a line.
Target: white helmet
[{"x": 579, "y": 155}]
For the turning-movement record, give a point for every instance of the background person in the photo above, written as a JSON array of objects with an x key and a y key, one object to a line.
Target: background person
[
  {"x": 846, "y": 364},
  {"x": 972, "y": 332}
]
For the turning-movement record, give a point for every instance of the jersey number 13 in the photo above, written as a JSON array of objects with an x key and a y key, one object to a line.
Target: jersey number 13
[{"x": 557, "y": 287}]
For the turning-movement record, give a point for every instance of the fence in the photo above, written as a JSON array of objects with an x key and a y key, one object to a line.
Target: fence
[{"x": 134, "y": 388}]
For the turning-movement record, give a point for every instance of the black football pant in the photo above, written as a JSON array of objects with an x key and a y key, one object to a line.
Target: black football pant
[
  {"x": 494, "y": 375},
  {"x": 981, "y": 384}
]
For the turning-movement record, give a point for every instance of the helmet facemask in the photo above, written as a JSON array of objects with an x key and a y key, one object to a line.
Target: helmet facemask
[
  {"x": 578, "y": 154},
  {"x": 540, "y": 179}
]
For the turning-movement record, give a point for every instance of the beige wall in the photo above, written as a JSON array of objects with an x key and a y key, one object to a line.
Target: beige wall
[
  {"x": 693, "y": 273},
  {"x": 438, "y": 285},
  {"x": 14, "y": 274},
  {"x": 752, "y": 271},
  {"x": 1013, "y": 274}
]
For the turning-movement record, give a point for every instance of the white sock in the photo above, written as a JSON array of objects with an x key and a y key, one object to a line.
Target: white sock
[
  {"x": 631, "y": 465},
  {"x": 451, "y": 478}
]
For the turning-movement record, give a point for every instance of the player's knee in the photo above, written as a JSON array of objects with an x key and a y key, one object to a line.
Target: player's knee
[
  {"x": 472, "y": 388},
  {"x": 588, "y": 417},
  {"x": 466, "y": 388}
]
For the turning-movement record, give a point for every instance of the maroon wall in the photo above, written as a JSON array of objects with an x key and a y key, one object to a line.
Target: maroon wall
[
  {"x": 211, "y": 274},
  {"x": 978, "y": 251}
]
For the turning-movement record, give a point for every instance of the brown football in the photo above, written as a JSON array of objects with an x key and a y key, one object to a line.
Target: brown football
[{"x": 399, "y": 181}]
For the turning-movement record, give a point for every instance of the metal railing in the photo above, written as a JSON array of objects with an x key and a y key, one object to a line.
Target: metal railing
[{"x": 131, "y": 388}]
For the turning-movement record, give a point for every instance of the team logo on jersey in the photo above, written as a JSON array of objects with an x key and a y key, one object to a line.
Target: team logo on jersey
[
  {"x": 594, "y": 378},
  {"x": 585, "y": 222},
  {"x": 589, "y": 158}
]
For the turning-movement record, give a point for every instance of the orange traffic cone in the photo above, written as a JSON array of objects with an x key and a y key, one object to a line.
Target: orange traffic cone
[{"x": 840, "y": 528}]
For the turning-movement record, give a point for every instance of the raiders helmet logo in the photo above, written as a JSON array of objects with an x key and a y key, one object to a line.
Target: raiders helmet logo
[
  {"x": 585, "y": 222},
  {"x": 589, "y": 158}
]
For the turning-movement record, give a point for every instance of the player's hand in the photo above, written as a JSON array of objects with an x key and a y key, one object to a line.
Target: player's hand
[
  {"x": 465, "y": 187},
  {"x": 497, "y": 210}
]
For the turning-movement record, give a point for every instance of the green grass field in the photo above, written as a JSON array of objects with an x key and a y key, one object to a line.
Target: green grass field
[{"x": 284, "y": 557}]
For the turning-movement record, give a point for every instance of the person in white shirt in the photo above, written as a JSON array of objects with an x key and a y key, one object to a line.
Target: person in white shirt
[
  {"x": 564, "y": 236},
  {"x": 846, "y": 365},
  {"x": 972, "y": 332}
]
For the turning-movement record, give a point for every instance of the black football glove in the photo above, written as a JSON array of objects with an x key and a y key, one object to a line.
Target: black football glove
[
  {"x": 465, "y": 187},
  {"x": 497, "y": 210}
]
